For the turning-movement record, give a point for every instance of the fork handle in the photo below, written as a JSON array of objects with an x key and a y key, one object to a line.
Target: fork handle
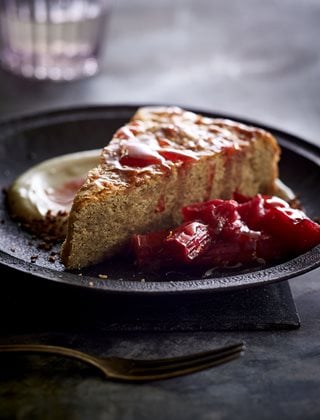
[{"x": 45, "y": 348}]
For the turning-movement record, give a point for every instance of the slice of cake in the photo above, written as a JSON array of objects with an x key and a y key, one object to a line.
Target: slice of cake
[{"x": 162, "y": 160}]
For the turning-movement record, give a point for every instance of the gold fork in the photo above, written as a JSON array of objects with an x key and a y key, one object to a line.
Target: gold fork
[{"x": 135, "y": 370}]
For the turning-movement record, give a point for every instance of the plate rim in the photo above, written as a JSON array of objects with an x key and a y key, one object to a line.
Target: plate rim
[
  {"x": 298, "y": 265},
  {"x": 305, "y": 263}
]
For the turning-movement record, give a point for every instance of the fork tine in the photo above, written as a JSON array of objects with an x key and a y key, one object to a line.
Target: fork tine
[
  {"x": 157, "y": 374},
  {"x": 176, "y": 366},
  {"x": 176, "y": 362}
]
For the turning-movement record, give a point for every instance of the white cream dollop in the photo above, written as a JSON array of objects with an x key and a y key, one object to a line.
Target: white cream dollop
[{"x": 32, "y": 195}]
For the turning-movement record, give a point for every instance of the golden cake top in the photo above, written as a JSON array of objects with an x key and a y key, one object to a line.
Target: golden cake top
[{"x": 159, "y": 138}]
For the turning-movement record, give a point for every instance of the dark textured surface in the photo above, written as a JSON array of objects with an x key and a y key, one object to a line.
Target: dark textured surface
[
  {"x": 253, "y": 59},
  {"x": 260, "y": 308}
]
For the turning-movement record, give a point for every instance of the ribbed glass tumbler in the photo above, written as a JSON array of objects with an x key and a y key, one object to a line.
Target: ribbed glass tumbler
[{"x": 52, "y": 39}]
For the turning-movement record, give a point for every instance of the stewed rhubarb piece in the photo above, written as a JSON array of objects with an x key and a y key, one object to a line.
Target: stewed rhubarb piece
[{"x": 230, "y": 232}]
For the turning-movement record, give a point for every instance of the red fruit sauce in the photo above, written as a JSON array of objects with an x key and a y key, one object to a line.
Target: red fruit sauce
[
  {"x": 65, "y": 193},
  {"x": 222, "y": 233},
  {"x": 148, "y": 152}
]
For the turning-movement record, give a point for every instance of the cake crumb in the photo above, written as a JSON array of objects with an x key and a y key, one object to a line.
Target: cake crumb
[
  {"x": 103, "y": 276},
  {"x": 12, "y": 249},
  {"x": 33, "y": 258},
  {"x": 46, "y": 246}
]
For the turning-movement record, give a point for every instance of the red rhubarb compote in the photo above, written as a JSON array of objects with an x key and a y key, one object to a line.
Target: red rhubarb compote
[{"x": 224, "y": 233}]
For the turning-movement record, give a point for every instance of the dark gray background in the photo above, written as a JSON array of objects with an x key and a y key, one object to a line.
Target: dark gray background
[{"x": 250, "y": 58}]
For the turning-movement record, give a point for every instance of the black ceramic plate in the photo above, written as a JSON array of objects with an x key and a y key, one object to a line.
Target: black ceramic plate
[{"x": 27, "y": 141}]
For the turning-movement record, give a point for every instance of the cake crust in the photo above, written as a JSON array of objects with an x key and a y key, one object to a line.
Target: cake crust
[{"x": 162, "y": 160}]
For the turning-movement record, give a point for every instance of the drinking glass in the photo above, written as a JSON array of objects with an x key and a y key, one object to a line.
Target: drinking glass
[{"x": 52, "y": 39}]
